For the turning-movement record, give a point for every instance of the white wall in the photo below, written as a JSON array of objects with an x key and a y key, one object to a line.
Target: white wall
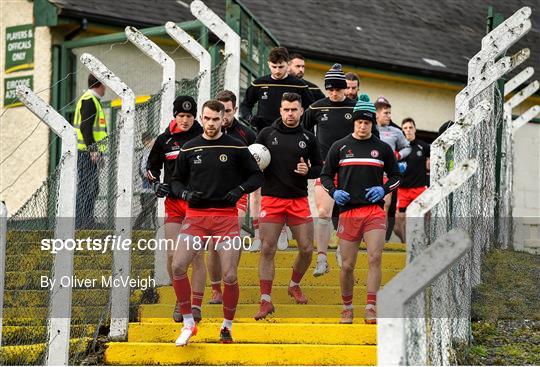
[{"x": 16, "y": 123}]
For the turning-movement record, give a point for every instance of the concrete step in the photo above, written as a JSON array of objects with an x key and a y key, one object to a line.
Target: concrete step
[
  {"x": 240, "y": 354},
  {"x": 261, "y": 333},
  {"x": 249, "y": 310},
  {"x": 319, "y": 294}
]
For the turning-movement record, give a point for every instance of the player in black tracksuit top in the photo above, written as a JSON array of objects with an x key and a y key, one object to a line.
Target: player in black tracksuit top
[
  {"x": 212, "y": 173},
  {"x": 266, "y": 92},
  {"x": 215, "y": 167},
  {"x": 295, "y": 159},
  {"x": 315, "y": 91},
  {"x": 163, "y": 156},
  {"x": 166, "y": 149},
  {"x": 360, "y": 161}
]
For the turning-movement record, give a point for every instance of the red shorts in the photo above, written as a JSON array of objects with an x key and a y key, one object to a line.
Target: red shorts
[
  {"x": 407, "y": 194},
  {"x": 242, "y": 204},
  {"x": 355, "y": 222},
  {"x": 319, "y": 183},
  {"x": 290, "y": 211},
  {"x": 175, "y": 209},
  {"x": 215, "y": 222}
]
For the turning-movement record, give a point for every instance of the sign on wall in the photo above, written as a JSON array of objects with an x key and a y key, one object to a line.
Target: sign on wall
[
  {"x": 10, "y": 89},
  {"x": 19, "y": 48}
]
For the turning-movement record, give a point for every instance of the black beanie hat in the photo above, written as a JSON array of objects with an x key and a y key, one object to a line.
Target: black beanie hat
[
  {"x": 184, "y": 104},
  {"x": 335, "y": 78}
]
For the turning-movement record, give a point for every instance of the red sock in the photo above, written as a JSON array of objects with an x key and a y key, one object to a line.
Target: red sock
[
  {"x": 266, "y": 286},
  {"x": 216, "y": 286},
  {"x": 347, "y": 299},
  {"x": 182, "y": 289},
  {"x": 197, "y": 299},
  {"x": 255, "y": 223},
  {"x": 371, "y": 298},
  {"x": 296, "y": 276},
  {"x": 231, "y": 293}
]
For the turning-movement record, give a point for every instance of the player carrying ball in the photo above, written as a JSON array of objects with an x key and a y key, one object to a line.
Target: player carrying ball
[
  {"x": 212, "y": 173},
  {"x": 296, "y": 158},
  {"x": 360, "y": 161}
]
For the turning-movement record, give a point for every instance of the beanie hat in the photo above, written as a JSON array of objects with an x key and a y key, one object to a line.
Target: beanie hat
[
  {"x": 364, "y": 109},
  {"x": 335, "y": 78},
  {"x": 184, "y": 104}
]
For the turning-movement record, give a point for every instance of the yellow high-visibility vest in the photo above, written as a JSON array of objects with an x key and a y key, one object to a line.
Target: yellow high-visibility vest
[{"x": 99, "y": 127}]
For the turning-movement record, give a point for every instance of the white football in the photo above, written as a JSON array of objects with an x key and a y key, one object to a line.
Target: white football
[{"x": 261, "y": 155}]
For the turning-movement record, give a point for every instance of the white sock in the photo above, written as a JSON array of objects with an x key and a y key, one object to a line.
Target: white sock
[
  {"x": 257, "y": 233},
  {"x": 189, "y": 320},
  {"x": 321, "y": 257},
  {"x": 226, "y": 324},
  {"x": 292, "y": 284},
  {"x": 347, "y": 307},
  {"x": 266, "y": 297}
]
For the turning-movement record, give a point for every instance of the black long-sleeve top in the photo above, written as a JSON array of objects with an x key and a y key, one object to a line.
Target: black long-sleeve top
[
  {"x": 360, "y": 164},
  {"x": 266, "y": 92},
  {"x": 166, "y": 149},
  {"x": 316, "y": 92},
  {"x": 333, "y": 120},
  {"x": 286, "y": 146},
  {"x": 241, "y": 132},
  {"x": 215, "y": 167},
  {"x": 88, "y": 117}
]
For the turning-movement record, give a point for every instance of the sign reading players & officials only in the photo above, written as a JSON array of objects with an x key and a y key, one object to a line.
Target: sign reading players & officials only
[{"x": 19, "y": 48}]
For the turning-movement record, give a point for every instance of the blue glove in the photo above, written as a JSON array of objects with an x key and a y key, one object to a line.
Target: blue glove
[
  {"x": 341, "y": 197},
  {"x": 375, "y": 193},
  {"x": 402, "y": 166}
]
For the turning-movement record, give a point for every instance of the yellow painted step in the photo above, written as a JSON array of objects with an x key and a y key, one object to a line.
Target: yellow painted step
[
  {"x": 329, "y": 295},
  {"x": 270, "y": 320},
  {"x": 263, "y": 333},
  {"x": 249, "y": 310},
  {"x": 285, "y": 259},
  {"x": 239, "y": 354},
  {"x": 21, "y": 355},
  {"x": 389, "y": 246},
  {"x": 250, "y": 276}
]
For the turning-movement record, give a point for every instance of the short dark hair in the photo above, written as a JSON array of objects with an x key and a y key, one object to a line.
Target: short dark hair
[
  {"x": 93, "y": 82},
  {"x": 214, "y": 105},
  {"x": 226, "y": 96},
  {"x": 352, "y": 76},
  {"x": 408, "y": 119},
  {"x": 291, "y": 97},
  {"x": 278, "y": 54},
  {"x": 296, "y": 56}
]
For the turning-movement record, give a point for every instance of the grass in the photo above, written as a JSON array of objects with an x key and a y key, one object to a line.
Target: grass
[{"x": 505, "y": 312}]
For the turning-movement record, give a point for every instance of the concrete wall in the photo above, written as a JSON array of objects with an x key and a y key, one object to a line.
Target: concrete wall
[{"x": 16, "y": 123}]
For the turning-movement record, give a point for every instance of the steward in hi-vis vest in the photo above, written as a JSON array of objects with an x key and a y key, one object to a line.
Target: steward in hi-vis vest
[{"x": 89, "y": 121}]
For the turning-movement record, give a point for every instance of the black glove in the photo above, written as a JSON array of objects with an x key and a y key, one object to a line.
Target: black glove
[
  {"x": 234, "y": 195},
  {"x": 192, "y": 197},
  {"x": 162, "y": 190}
]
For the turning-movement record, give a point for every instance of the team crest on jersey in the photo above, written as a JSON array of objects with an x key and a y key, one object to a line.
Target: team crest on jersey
[
  {"x": 341, "y": 229},
  {"x": 197, "y": 160},
  {"x": 275, "y": 142},
  {"x": 185, "y": 226},
  {"x": 349, "y": 154},
  {"x": 348, "y": 116},
  {"x": 186, "y": 106},
  {"x": 262, "y": 214},
  {"x": 302, "y": 144},
  {"x": 324, "y": 117},
  {"x": 223, "y": 158},
  {"x": 374, "y": 153},
  {"x": 419, "y": 153},
  {"x": 265, "y": 95}
]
